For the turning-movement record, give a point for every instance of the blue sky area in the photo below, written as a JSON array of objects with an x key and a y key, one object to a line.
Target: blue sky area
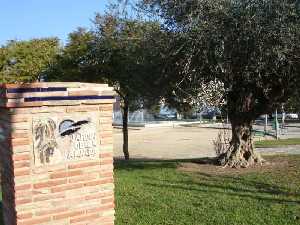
[{"x": 25, "y": 19}]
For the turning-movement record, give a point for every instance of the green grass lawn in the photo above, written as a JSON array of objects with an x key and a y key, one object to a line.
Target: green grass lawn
[
  {"x": 277, "y": 143},
  {"x": 184, "y": 193},
  {"x": 159, "y": 193}
]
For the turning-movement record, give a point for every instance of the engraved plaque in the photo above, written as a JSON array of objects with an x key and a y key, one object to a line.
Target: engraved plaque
[{"x": 69, "y": 138}]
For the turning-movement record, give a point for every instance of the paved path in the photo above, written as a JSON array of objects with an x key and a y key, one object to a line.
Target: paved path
[{"x": 177, "y": 143}]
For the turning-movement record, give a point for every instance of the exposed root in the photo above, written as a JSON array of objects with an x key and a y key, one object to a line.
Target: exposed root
[
  {"x": 240, "y": 157},
  {"x": 240, "y": 152}
]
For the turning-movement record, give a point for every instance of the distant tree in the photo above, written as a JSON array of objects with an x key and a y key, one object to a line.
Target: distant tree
[
  {"x": 251, "y": 46},
  {"x": 73, "y": 64},
  {"x": 186, "y": 96},
  {"x": 3, "y": 57},
  {"x": 124, "y": 52},
  {"x": 293, "y": 104},
  {"x": 26, "y": 61},
  {"x": 127, "y": 53}
]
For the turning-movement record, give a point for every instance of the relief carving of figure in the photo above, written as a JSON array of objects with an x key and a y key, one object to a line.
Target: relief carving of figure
[{"x": 45, "y": 143}]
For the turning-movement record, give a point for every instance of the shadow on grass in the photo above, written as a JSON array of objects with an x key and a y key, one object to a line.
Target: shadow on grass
[
  {"x": 150, "y": 164},
  {"x": 254, "y": 190},
  {"x": 236, "y": 185},
  {"x": 1, "y": 215},
  {"x": 143, "y": 164}
]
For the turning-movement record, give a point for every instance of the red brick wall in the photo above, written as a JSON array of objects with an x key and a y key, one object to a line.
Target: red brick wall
[{"x": 78, "y": 192}]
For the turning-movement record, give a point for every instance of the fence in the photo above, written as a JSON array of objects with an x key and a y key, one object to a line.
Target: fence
[{"x": 287, "y": 128}]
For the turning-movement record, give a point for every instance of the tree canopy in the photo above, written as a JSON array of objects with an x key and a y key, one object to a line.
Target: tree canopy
[
  {"x": 251, "y": 46},
  {"x": 126, "y": 52},
  {"x": 122, "y": 51},
  {"x": 73, "y": 64},
  {"x": 26, "y": 61},
  {"x": 246, "y": 52}
]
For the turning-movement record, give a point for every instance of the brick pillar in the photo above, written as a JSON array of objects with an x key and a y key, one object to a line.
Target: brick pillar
[{"x": 56, "y": 154}]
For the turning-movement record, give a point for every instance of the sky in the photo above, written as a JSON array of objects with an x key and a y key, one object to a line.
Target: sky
[{"x": 26, "y": 19}]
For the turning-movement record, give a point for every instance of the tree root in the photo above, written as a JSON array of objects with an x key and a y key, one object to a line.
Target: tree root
[
  {"x": 236, "y": 158},
  {"x": 240, "y": 153}
]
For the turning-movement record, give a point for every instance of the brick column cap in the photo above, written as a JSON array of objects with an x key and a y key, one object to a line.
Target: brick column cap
[{"x": 54, "y": 94}]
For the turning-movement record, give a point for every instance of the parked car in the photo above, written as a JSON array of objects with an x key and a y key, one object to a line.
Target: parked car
[
  {"x": 210, "y": 114},
  {"x": 171, "y": 116},
  {"x": 293, "y": 116},
  {"x": 262, "y": 117},
  {"x": 279, "y": 116},
  {"x": 165, "y": 116}
]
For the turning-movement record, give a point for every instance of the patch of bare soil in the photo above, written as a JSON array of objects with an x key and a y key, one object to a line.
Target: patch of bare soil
[{"x": 209, "y": 166}]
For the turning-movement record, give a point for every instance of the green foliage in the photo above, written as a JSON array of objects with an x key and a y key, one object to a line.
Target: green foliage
[
  {"x": 127, "y": 52},
  {"x": 251, "y": 46},
  {"x": 293, "y": 103},
  {"x": 123, "y": 52},
  {"x": 26, "y": 61},
  {"x": 73, "y": 64},
  {"x": 3, "y": 55}
]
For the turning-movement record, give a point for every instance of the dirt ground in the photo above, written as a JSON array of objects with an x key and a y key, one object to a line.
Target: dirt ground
[
  {"x": 182, "y": 142},
  {"x": 208, "y": 166},
  {"x": 167, "y": 142}
]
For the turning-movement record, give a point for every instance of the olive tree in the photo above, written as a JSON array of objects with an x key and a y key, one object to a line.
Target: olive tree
[
  {"x": 126, "y": 53},
  {"x": 251, "y": 46},
  {"x": 122, "y": 51}
]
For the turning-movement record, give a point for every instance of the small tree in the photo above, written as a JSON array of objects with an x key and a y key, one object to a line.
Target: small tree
[
  {"x": 120, "y": 51},
  {"x": 73, "y": 63},
  {"x": 27, "y": 61},
  {"x": 251, "y": 46},
  {"x": 126, "y": 54},
  {"x": 293, "y": 104}
]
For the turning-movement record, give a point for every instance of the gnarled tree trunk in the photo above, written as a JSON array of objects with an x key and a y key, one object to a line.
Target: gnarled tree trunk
[{"x": 241, "y": 151}]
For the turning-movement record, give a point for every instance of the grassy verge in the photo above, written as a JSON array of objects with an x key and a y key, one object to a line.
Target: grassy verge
[
  {"x": 277, "y": 143},
  {"x": 158, "y": 193},
  {"x": 185, "y": 193}
]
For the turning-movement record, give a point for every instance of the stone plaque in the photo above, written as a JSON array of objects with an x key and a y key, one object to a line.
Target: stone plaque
[{"x": 70, "y": 138}]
